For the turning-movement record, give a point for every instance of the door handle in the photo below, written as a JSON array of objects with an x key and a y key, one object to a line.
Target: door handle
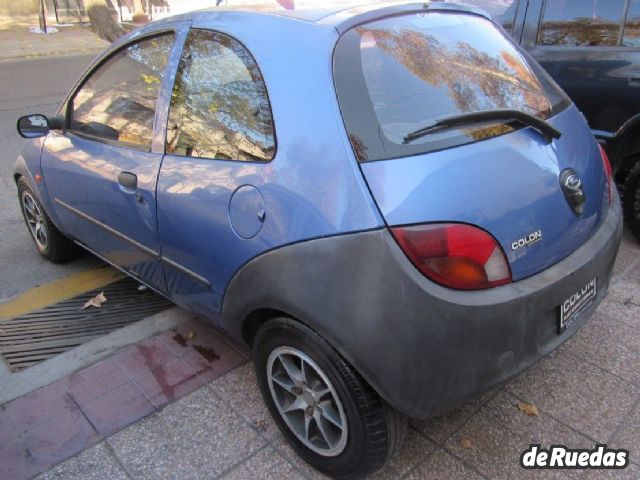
[{"x": 128, "y": 181}]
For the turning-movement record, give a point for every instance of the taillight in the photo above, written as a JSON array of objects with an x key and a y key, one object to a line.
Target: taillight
[
  {"x": 455, "y": 255},
  {"x": 608, "y": 172}
]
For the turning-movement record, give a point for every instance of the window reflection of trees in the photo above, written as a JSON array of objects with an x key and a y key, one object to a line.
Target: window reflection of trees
[
  {"x": 581, "y": 22},
  {"x": 219, "y": 105},
  {"x": 581, "y": 31},
  {"x": 474, "y": 79},
  {"x": 118, "y": 101},
  {"x": 632, "y": 25}
]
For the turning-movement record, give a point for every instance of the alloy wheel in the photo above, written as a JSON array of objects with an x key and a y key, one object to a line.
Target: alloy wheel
[
  {"x": 307, "y": 401},
  {"x": 35, "y": 220}
]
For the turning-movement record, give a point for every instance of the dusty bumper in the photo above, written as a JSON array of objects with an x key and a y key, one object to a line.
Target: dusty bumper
[{"x": 424, "y": 348}]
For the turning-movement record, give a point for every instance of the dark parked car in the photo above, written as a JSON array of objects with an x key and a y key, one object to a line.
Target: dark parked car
[
  {"x": 395, "y": 207},
  {"x": 592, "y": 49}
]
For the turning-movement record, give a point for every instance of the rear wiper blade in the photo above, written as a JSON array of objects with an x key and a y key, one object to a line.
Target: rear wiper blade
[{"x": 542, "y": 126}]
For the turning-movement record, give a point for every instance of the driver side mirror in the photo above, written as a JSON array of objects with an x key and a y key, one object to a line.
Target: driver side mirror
[{"x": 38, "y": 125}]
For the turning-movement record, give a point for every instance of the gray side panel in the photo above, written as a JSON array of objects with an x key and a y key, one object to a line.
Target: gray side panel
[{"x": 423, "y": 347}]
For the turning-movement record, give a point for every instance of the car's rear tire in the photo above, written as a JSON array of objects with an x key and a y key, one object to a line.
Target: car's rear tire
[
  {"x": 339, "y": 424},
  {"x": 631, "y": 200},
  {"x": 49, "y": 241}
]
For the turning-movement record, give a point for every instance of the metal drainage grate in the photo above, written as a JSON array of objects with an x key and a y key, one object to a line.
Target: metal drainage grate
[{"x": 37, "y": 336}]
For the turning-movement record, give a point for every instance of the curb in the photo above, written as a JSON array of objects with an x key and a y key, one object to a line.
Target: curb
[{"x": 58, "y": 53}]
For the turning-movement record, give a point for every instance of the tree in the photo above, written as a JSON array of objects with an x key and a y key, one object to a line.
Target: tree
[
  {"x": 139, "y": 16},
  {"x": 102, "y": 23}
]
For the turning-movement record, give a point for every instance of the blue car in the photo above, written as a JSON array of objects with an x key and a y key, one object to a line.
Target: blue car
[{"x": 393, "y": 206}]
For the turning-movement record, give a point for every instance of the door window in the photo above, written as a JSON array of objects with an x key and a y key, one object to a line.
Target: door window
[
  {"x": 631, "y": 36},
  {"x": 581, "y": 22},
  {"x": 118, "y": 101},
  {"x": 502, "y": 11},
  {"x": 219, "y": 105}
]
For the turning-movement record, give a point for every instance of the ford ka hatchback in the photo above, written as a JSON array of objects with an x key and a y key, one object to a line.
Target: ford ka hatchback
[{"x": 395, "y": 207}]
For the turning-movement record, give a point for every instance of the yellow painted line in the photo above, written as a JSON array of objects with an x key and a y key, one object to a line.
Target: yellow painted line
[{"x": 58, "y": 290}]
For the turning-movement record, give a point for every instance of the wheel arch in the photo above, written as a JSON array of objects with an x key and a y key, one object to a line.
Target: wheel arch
[
  {"x": 252, "y": 322},
  {"x": 624, "y": 144}
]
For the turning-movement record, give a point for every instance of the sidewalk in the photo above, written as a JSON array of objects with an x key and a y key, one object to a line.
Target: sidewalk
[
  {"x": 185, "y": 404},
  {"x": 18, "y": 42}
]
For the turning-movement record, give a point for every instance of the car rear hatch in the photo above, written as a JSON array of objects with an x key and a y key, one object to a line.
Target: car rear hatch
[{"x": 397, "y": 75}]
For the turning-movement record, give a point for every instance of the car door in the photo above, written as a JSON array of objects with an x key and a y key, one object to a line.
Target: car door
[
  {"x": 219, "y": 140},
  {"x": 587, "y": 48},
  {"x": 101, "y": 171}
]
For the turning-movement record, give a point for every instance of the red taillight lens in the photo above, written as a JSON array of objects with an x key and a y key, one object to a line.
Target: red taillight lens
[
  {"x": 455, "y": 255},
  {"x": 607, "y": 170}
]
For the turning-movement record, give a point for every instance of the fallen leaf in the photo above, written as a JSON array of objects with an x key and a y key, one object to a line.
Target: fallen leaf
[
  {"x": 96, "y": 301},
  {"x": 465, "y": 442},
  {"x": 528, "y": 408},
  {"x": 261, "y": 425},
  {"x": 191, "y": 335}
]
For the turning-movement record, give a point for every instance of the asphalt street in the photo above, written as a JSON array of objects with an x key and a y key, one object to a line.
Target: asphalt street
[{"x": 28, "y": 86}]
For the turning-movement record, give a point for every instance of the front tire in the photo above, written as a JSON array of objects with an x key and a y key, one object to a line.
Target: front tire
[
  {"x": 49, "y": 241},
  {"x": 331, "y": 417},
  {"x": 631, "y": 200}
]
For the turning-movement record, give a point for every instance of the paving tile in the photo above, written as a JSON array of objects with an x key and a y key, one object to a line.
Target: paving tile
[
  {"x": 611, "y": 345},
  {"x": 117, "y": 409},
  {"x": 198, "y": 436},
  {"x": 414, "y": 450},
  {"x": 39, "y": 407},
  {"x": 15, "y": 461},
  {"x": 7, "y": 429},
  {"x": 145, "y": 445},
  {"x": 625, "y": 290},
  {"x": 628, "y": 253},
  {"x": 240, "y": 389},
  {"x": 203, "y": 349},
  {"x": 181, "y": 339},
  {"x": 95, "y": 463},
  {"x": 283, "y": 447},
  {"x": 582, "y": 395},
  {"x": 633, "y": 273},
  {"x": 440, "y": 428},
  {"x": 144, "y": 357},
  {"x": 443, "y": 465},
  {"x": 169, "y": 382},
  {"x": 622, "y": 303},
  {"x": 628, "y": 437},
  {"x": 499, "y": 433},
  {"x": 94, "y": 381},
  {"x": 631, "y": 472},
  {"x": 266, "y": 464},
  {"x": 213, "y": 361},
  {"x": 63, "y": 437}
]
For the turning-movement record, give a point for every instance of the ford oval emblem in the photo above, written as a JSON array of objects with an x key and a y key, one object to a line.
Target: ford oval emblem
[
  {"x": 573, "y": 182},
  {"x": 573, "y": 190}
]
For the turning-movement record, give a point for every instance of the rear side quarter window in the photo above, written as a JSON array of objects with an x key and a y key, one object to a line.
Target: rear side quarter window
[{"x": 219, "y": 104}]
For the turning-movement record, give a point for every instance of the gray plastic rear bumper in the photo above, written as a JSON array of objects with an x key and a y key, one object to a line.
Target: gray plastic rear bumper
[{"x": 423, "y": 347}]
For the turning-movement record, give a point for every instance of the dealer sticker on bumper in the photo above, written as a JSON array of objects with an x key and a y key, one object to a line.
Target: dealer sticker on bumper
[{"x": 576, "y": 303}]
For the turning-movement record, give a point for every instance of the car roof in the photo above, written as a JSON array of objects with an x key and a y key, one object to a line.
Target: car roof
[{"x": 341, "y": 14}]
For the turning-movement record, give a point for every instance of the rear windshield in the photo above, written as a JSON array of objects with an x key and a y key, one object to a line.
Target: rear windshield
[{"x": 400, "y": 74}]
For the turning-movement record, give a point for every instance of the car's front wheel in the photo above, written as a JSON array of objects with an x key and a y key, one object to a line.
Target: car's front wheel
[
  {"x": 49, "y": 241},
  {"x": 332, "y": 418}
]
